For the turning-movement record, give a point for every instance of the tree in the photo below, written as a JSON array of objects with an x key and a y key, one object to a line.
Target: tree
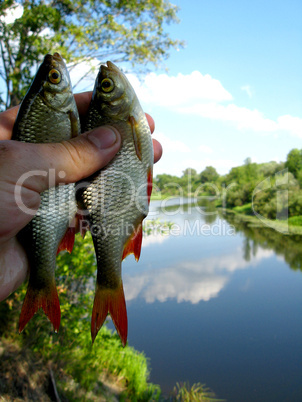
[
  {"x": 189, "y": 172},
  {"x": 122, "y": 30},
  {"x": 209, "y": 175},
  {"x": 294, "y": 161}
]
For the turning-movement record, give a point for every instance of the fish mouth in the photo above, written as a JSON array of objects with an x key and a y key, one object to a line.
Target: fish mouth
[
  {"x": 56, "y": 56},
  {"x": 109, "y": 67},
  {"x": 54, "y": 60}
]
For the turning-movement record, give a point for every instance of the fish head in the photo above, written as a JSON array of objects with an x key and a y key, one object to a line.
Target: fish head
[
  {"x": 52, "y": 83},
  {"x": 113, "y": 94}
]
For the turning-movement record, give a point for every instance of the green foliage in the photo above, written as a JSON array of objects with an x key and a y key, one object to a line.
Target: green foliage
[
  {"x": 271, "y": 189},
  {"x": 244, "y": 209},
  {"x": 209, "y": 175},
  {"x": 295, "y": 220},
  {"x": 70, "y": 351},
  {"x": 196, "y": 393},
  {"x": 294, "y": 161},
  {"x": 124, "y": 31}
]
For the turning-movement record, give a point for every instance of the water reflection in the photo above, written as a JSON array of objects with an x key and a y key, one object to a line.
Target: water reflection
[
  {"x": 192, "y": 275},
  {"x": 287, "y": 246},
  {"x": 190, "y": 281},
  {"x": 201, "y": 257},
  {"x": 218, "y": 308}
]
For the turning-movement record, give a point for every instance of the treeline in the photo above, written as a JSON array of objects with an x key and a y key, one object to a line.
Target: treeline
[{"x": 273, "y": 190}]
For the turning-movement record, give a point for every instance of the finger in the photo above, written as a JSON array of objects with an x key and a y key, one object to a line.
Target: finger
[
  {"x": 158, "y": 150},
  {"x": 83, "y": 101},
  {"x": 12, "y": 255},
  {"x": 68, "y": 161},
  {"x": 7, "y": 121},
  {"x": 151, "y": 122}
]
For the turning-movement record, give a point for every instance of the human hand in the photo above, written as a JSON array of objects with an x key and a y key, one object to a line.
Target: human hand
[{"x": 78, "y": 158}]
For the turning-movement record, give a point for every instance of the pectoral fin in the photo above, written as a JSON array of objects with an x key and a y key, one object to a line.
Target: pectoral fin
[
  {"x": 149, "y": 184},
  {"x": 74, "y": 122},
  {"x": 134, "y": 243},
  {"x": 136, "y": 139},
  {"x": 68, "y": 241}
]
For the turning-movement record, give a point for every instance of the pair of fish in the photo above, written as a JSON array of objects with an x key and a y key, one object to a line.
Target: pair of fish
[{"x": 114, "y": 200}]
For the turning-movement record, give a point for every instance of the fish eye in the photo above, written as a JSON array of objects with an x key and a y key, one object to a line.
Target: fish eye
[
  {"x": 54, "y": 76},
  {"x": 107, "y": 85}
]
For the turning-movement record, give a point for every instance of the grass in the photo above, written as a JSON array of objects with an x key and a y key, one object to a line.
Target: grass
[
  {"x": 196, "y": 393},
  {"x": 244, "y": 209},
  {"x": 292, "y": 225},
  {"x": 295, "y": 220}
]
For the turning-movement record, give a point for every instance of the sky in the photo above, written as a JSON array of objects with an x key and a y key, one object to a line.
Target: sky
[{"x": 233, "y": 92}]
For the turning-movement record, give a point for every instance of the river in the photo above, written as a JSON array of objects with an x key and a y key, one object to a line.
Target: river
[{"x": 218, "y": 301}]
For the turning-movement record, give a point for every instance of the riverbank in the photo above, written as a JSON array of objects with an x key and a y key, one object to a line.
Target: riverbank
[
  {"x": 292, "y": 225},
  {"x": 43, "y": 365},
  {"x": 25, "y": 376}
]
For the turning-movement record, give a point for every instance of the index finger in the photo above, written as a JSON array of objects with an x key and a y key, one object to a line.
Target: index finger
[
  {"x": 8, "y": 117},
  {"x": 83, "y": 100},
  {"x": 7, "y": 121}
]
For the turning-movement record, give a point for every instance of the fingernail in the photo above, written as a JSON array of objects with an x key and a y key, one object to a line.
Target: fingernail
[{"x": 103, "y": 137}]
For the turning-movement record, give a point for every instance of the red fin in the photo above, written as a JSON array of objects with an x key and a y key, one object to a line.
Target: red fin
[
  {"x": 68, "y": 240},
  {"x": 110, "y": 301},
  {"x": 149, "y": 184},
  {"x": 134, "y": 243},
  {"x": 47, "y": 299}
]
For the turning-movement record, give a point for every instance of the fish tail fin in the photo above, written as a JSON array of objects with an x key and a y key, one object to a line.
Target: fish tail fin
[
  {"x": 47, "y": 299},
  {"x": 110, "y": 301}
]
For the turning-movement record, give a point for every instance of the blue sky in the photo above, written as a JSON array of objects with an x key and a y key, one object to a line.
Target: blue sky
[{"x": 245, "y": 99}]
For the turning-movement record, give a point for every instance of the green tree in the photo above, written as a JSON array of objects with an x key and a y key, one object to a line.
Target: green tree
[
  {"x": 189, "y": 172},
  {"x": 209, "y": 175},
  {"x": 294, "y": 161},
  {"x": 122, "y": 30}
]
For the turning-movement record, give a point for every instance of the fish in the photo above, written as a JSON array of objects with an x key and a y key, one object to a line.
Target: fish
[
  {"x": 48, "y": 113},
  {"x": 115, "y": 200}
]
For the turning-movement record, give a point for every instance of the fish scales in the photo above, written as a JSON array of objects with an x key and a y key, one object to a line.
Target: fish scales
[
  {"x": 48, "y": 113},
  {"x": 117, "y": 197}
]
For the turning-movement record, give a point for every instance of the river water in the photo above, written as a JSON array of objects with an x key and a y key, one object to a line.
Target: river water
[{"x": 218, "y": 301}]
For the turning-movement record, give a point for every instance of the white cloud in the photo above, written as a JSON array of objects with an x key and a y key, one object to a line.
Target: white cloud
[
  {"x": 201, "y": 95},
  {"x": 205, "y": 149},
  {"x": 12, "y": 13},
  {"x": 241, "y": 117},
  {"x": 291, "y": 124},
  {"x": 195, "y": 94},
  {"x": 170, "y": 91},
  {"x": 83, "y": 69},
  {"x": 171, "y": 145}
]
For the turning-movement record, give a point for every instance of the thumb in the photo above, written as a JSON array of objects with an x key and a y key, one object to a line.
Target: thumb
[{"x": 69, "y": 161}]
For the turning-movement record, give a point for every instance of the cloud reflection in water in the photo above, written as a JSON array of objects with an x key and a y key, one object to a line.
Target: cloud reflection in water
[{"x": 190, "y": 281}]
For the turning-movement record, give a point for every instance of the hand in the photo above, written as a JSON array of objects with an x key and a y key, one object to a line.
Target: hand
[{"x": 78, "y": 158}]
